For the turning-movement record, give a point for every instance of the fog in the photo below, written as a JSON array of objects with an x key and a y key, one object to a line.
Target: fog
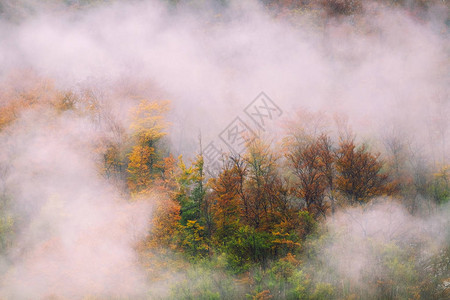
[
  {"x": 388, "y": 70},
  {"x": 360, "y": 233},
  {"x": 385, "y": 70}
]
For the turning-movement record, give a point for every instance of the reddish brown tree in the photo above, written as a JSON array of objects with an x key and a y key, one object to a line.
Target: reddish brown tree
[
  {"x": 360, "y": 175},
  {"x": 227, "y": 202},
  {"x": 307, "y": 160}
]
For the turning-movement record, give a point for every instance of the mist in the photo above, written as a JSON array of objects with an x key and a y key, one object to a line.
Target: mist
[{"x": 383, "y": 69}]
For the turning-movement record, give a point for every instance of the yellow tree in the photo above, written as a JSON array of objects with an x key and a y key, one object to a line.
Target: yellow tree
[{"x": 148, "y": 126}]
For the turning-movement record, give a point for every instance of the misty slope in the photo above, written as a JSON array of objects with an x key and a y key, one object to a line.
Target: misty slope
[{"x": 339, "y": 189}]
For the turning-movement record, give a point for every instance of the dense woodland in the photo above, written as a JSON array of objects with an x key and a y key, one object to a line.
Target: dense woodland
[
  {"x": 257, "y": 229},
  {"x": 289, "y": 218}
]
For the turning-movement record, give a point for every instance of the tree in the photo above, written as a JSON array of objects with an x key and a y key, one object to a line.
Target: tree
[
  {"x": 167, "y": 168},
  {"x": 312, "y": 161},
  {"x": 327, "y": 157},
  {"x": 193, "y": 239},
  {"x": 359, "y": 173},
  {"x": 440, "y": 185},
  {"x": 227, "y": 203},
  {"x": 191, "y": 192},
  {"x": 306, "y": 163},
  {"x": 195, "y": 208},
  {"x": 148, "y": 128},
  {"x": 165, "y": 224},
  {"x": 264, "y": 199}
]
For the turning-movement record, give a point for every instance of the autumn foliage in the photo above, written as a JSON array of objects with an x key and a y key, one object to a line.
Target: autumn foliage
[{"x": 262, "y": 215}]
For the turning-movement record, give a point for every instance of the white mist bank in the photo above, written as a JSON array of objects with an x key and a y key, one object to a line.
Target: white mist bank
[
  {"x": 362, "y": 238},
  {"x": 387, "y": 70},
  {"x": 76, "y": 233},
  {"x": 384, "y": 69}
]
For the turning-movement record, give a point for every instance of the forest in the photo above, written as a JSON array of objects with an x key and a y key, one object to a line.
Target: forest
[{"x": 224, "y": 150}]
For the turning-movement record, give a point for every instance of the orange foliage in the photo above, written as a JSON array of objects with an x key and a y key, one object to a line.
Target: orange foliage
[
  {"x": 226, "y": 209},
  {"x": 165, "y": 224},
  {"x": 360, "y": 176}
]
